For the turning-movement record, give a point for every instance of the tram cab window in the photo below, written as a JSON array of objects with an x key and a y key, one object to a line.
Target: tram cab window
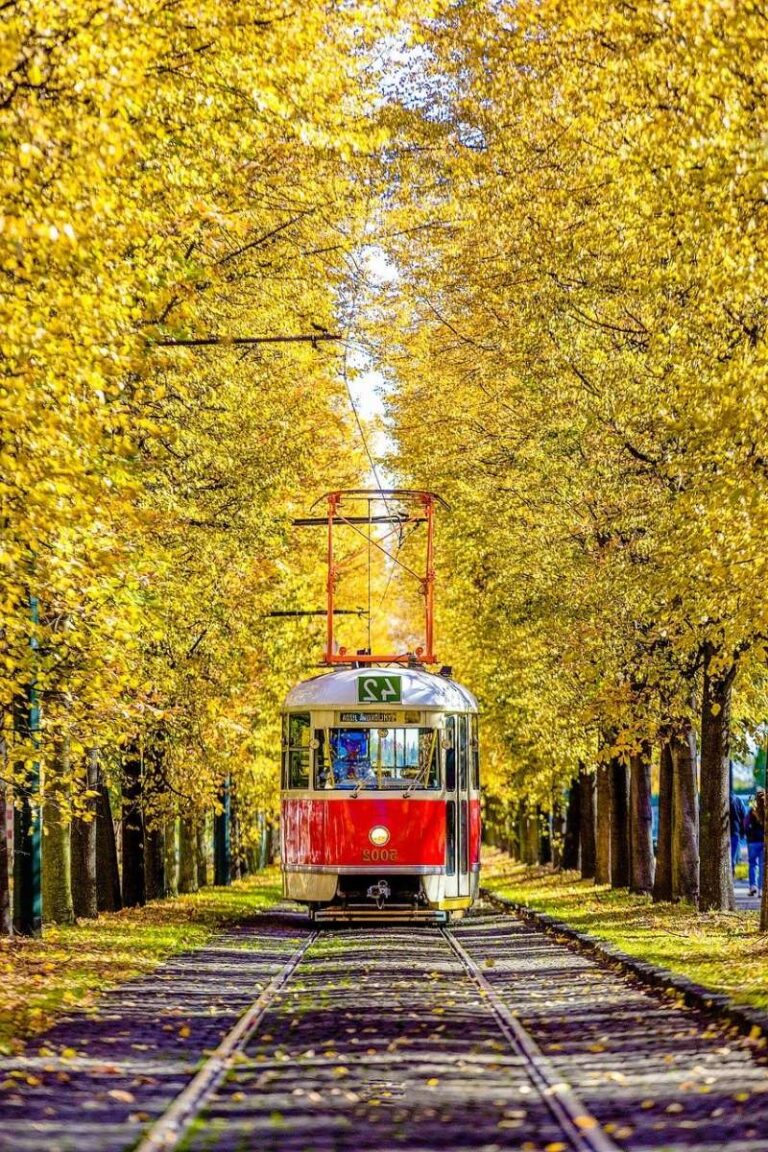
[
  {"x": 358, "y": 758},
  {"x": 474, "y": 752},
  {"x": 463, "y": 749},
  {"x": 297, "y": 755},
  {"x": 449, "y": 741}
]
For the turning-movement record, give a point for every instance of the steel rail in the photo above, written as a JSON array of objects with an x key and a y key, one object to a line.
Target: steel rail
[
  {"x": 173, "y": 1125},
  {"x": 578, "y": 1124}
]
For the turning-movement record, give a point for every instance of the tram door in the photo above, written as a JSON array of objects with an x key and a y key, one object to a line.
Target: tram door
[{"x": 457, "y": 806}]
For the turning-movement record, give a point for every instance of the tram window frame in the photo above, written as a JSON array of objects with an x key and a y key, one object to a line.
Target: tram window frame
[
  {"x": 449, "y": 744},
  {"x": 462, "y": 730},
  {"x": 298, "y": 752},
  {"x": 474, "y": 753}
]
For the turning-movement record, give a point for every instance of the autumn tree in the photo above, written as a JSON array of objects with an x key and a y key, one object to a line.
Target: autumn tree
[
  {"x": 180, "y": 183},
  {"x": 580, "y": 364}
]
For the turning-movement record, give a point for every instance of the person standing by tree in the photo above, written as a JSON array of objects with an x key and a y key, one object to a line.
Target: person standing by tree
[
  {"x": 754, "y": 827},
  {"x": 738, "y": 817}
]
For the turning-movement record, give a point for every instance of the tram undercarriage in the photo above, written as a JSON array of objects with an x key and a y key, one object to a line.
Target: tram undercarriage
[{"x": 366, "y": 896}]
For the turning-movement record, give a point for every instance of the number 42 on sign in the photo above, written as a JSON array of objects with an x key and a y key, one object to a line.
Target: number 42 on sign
[{"x": 378, "y": 690}]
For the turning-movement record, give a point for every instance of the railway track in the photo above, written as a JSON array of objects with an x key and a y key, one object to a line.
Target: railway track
[
  {"x": 569, "y": 1126},
  {"x": 579, "y": 1126},
  {"x": 486, "y": 1036},
  {"x": 171, "y": 1127},
  {"x": 375, "y": 1035}
]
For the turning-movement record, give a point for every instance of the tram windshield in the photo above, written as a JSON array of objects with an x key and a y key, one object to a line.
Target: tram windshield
[{"x": 377, "y": 758}]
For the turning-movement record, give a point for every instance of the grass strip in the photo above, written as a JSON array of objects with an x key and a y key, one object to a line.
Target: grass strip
[
  {"x": 73, "y": 964},
  {"x": 724, "y": 951}
]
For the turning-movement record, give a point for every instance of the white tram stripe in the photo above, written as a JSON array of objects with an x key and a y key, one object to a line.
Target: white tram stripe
[
  {"x": 169, "y": 1128},
  {"x": 581, "y": 1128}
]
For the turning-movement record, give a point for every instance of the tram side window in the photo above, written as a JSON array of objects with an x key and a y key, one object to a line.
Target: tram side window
[
  {"x": 474, "y": 752},
  {"x": 298, "y": 752},
  {"x": 449, "y": 742},
  {"x": 463, "y": 749}
]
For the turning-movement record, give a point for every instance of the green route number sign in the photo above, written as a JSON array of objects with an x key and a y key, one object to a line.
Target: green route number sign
[{"x": 378, "y": 690}]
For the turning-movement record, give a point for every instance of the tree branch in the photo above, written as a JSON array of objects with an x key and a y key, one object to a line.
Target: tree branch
[{"x": 237, "y": 341}]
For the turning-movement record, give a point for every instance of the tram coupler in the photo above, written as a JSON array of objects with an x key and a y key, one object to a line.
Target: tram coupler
[{"x": 380, "y": 892}]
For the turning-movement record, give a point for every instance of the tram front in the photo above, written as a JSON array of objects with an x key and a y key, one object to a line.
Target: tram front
[{"x": 380, "y": 795}]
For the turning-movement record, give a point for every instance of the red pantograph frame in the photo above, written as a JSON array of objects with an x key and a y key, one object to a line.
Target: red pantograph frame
[{"x": 420, "y": 508}]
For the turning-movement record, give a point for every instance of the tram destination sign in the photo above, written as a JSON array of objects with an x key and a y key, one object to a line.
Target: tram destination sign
[
  {"x": 368, "y": 717},
  {"x": 379, "y": 690}
]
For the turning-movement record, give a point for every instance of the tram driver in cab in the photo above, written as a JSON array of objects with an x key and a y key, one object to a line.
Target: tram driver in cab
[{"x": 350, "y": 765}]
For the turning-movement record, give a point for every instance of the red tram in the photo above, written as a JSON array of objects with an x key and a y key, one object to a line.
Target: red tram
[
  {"x": 380, "y": 772},
  {"x": 381, "y": 795}
]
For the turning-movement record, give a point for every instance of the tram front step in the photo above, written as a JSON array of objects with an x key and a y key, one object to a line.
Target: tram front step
[{"x": 387, "y": 912}]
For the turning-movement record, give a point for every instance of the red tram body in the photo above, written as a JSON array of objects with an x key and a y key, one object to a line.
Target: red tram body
[{"x": 381, "y": 795}]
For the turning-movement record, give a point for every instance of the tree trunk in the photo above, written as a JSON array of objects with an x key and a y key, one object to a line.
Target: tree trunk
[
  {"x": 57, "y": 859},
  {"x": 170, "y": 838},
  {"x": 662, "y": 882},
  {"x": 489, "y": 825},
  {"x": 134, "y": 881},
  {"x": 57, "y": 865},
  {"x": 544, "y": 826},
  {"x": 264, "y": 832},
  {"x": 522, "y": 829},
  {"x": 570, "y": 855},
  {"x": 187, "y": 855},
  {"x": 153, "y": 788},
  {"x": 85, "y": 896},
  {"x": 716, "y": 880},
  {"x": 107, "y": 871},
  {"x": 587, "y": 833},
  {"x": 619, "y": 823},
  {"x": 603, "y": 823},
  {"x": 558, "y": 830},
  {"x": 685, "y": 819},
  {"x": 6, "y": 916},
  {"x": 510, "y": 844},
  {"x": 532, "y": 837},
  {"x": 222, "y": 839},
  {"x": 201, "y": 844},
  {"x": 154, "y": 863},
  {"x": 641, "y": 824},
  {"x": 265, "y": 843},
  {"x": 234, "y": 866}
]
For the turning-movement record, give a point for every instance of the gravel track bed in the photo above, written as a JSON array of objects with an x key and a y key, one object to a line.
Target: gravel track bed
[
  {"x": 656, "y": 1075},
  {"x": 125, "y": 1061}
]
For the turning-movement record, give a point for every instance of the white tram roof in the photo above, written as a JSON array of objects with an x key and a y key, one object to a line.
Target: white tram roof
[{"x": 419, "y": 689}]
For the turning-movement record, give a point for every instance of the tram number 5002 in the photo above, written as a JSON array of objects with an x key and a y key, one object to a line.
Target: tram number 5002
[
  {"x": 379, "y": 855},
  {"x": 378, "y": 690}
]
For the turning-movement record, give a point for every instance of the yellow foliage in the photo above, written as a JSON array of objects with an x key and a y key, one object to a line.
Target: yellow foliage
[
  {"x": 579, "y": 360},
  {"x": 165, "y": 173}
]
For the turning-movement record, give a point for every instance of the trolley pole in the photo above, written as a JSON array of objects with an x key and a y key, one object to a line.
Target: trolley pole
[
  {"x": 222, "y": 845},
  {"x": 27, "y": 817}
]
